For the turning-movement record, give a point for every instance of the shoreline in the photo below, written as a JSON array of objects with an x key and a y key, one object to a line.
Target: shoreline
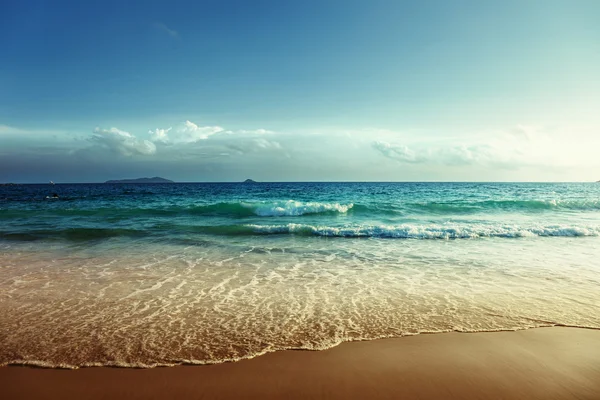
[
  {"x": 199, "y": 363},
  {"x": 537, "y": 363}
]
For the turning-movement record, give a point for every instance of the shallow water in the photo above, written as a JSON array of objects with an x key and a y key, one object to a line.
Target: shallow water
[{"x": 144, "y": 275}]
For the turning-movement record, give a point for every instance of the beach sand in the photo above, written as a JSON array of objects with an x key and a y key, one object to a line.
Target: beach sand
[{"x": 543, "y": 363}]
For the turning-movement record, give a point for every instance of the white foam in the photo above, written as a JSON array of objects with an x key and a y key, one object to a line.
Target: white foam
[
  {"x": 164, "y": 305},
  {"x": 471, "y": 231},
  {"x": 296, "y": 208}
]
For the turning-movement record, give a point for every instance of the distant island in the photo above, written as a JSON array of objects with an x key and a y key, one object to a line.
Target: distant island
[
  {"x": 249, "y": 181},
  {"x": 156, "y": 179}
]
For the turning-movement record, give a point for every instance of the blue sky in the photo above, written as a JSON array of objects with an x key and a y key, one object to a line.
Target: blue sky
[{"x": 300, "y": 90}]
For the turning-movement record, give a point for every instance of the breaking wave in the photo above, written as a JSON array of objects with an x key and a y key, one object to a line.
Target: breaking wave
[
  {"x": 404, "y": 231},
  {"x": 227, "y": 209},
  {"x": 294, "y": 208}
]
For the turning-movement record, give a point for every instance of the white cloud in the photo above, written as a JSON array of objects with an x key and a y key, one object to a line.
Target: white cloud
[
  {"x": 521, "y": 152},
  {"x": 160, "y": 135},
  {"x": 187, "y": 132},
  {"x": 189, "y": 140},
  {"x": 398, "y": 152},
  {"x": 256, "y": 132},
  {"x": 267, "y": 144},
  {"x": 498, "y": 152},
  {"x": 524, "y": 146},
  {"x": 122, "y": 142},
  {"x": 190, "y": 132}
]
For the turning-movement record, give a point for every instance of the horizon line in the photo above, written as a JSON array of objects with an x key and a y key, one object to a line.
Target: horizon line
[{"x": 262, "y": 182}]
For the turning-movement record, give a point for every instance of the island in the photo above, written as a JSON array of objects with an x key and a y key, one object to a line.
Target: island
[
  {"x": 250, "y": 181},
  {"x": 156, "y": 179}
]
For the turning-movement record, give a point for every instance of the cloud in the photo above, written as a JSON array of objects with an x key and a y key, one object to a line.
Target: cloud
[
  {"x": 256, "y": 132},
  {"x": 164, "y": 28},
  {"x": 187, "y": 132},
  {"x": 121, "y": 142},
  {"x": 482, "y": 154},
  {"x": 523, "y": 146},
  {"x": 190, "y": 132},
  {"x": 244, "y": 146},
  {"x": 216, "y": 153},
  {"x": 189, "y": 140},
  {"x": 267, "y": 144},
  {"x": 528, "y": 132},
  {"x": 160, "y": 135},
  {"x": 398, "y": 152}
]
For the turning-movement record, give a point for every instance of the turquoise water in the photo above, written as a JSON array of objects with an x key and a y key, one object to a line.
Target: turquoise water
[
  {"x": 385, "y": 210},
  {"x": 143, "y": 275}
]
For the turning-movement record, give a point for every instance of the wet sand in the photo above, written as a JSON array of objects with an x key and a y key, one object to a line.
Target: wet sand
[{"x": 543, "y": 363}]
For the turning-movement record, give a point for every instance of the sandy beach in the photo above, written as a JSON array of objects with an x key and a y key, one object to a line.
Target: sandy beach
[
  {"x": 299, "y": 200},
  {"x": 543, "y": 363}
]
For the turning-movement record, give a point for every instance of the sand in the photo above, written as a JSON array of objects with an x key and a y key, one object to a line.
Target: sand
[{"x": 543, "y": 363}]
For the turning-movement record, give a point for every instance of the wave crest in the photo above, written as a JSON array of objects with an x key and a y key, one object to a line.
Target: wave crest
[
  {"x": 288, "y": 208},
  {"x": 419, "y": 231},
  {"x": 297, "y": 208}
]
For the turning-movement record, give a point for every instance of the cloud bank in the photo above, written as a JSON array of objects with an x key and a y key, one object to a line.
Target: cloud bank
[
  {"x": 121, "y": 142},
  {"x": 398, "y": 152},
  {"x": 188, "y": 136},
  {"x": 196, "y": 152},
  {"x": 187, "y": 132},
  {"x": 522, "y": 146}
]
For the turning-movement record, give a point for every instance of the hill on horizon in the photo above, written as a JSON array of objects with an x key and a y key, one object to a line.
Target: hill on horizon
[{"x": 155, "y": 179}]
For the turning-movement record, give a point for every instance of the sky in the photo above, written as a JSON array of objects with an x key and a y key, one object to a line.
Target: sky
[{"x": 307, "y": 90}]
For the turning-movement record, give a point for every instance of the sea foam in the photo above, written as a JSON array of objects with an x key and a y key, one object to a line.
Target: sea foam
[
  {"x": 472, "y": 231},
  {"x": 296, "y": 208}
]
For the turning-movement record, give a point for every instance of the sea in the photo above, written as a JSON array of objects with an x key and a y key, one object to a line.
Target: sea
[{"x": 145, "y": 275}]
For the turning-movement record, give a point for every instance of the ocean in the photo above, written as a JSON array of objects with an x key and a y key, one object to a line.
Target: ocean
[{"x": 142, "y": 275}]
